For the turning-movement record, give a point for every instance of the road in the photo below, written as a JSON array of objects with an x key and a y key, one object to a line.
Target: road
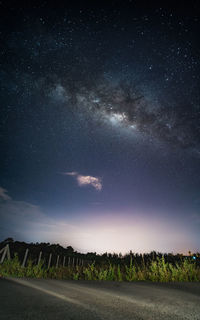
[{"x": 89, "y": 300}]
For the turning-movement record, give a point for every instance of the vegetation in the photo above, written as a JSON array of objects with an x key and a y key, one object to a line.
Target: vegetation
[
  {"x": 156, "y": 270},
  {"x": 153, "y": 266},
  {"x": 139, "y": 260}
]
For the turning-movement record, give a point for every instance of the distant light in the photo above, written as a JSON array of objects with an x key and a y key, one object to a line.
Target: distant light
[{"x": 194, "y": 258}]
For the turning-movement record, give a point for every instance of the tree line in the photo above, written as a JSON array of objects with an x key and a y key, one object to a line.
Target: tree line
[{"x": 99, "y": 259}]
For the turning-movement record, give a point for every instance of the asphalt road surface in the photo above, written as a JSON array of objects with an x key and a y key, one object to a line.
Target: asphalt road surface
[{"x": 89, "y": 300}]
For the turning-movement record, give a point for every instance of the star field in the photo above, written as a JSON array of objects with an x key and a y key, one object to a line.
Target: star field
[{"x": 100, "y": 117}]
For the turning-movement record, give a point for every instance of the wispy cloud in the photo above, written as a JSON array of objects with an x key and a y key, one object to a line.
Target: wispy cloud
[
  {"x": 73, "y": 173},
  {"x": 4, "y": 195},
  {"x": 86, "y": 180},
  {"x": 24, "y": 221}
]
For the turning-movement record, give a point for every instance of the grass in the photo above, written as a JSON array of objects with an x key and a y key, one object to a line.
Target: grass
[{"x": 158, "y": 271}]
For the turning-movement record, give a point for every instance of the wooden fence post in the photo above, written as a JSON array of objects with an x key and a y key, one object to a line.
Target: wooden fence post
[
  {"x": 68, "y": 261},
  {"x": 2, "y": 250},
  {"x": 39, "y": 258},
  {"x": 6, "y": 252},
  {"x": 49, "y": 262},
  {"x": 57, "y": 261},
  {"x": 25, "y": 257},
  {"x": 64, "y": 261}
]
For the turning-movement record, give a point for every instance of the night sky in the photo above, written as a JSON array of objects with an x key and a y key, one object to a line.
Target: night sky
[{"x": 100, "y": 125}]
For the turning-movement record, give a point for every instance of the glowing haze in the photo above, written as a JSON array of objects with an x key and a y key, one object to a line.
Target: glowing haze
[{"x": 99, "y": 232}]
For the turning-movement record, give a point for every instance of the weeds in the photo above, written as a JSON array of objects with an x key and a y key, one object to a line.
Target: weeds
[
  {"x": 157, "y": 270},
  {"x": 131, "y": 271}
]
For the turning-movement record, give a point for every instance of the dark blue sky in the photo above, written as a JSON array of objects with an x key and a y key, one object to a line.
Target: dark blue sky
[{"x": 100, "y": 125}]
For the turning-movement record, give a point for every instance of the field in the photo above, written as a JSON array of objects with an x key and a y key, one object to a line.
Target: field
[{"x": 157, "y": 270}]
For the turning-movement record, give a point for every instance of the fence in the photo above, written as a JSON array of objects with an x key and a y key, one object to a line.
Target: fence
[
  {"x": 50, "y": 258},
  {"x": 63, "y": 261}
]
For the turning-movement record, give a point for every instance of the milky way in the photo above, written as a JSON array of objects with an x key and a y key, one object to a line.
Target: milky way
[
  {"x": 153, "y": 92},
  {"x": 100, "y": 123},
  {"x": 124, "y": 104}
]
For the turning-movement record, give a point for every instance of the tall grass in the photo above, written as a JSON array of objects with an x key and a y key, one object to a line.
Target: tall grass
[{"x": 156, "y": 270}]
